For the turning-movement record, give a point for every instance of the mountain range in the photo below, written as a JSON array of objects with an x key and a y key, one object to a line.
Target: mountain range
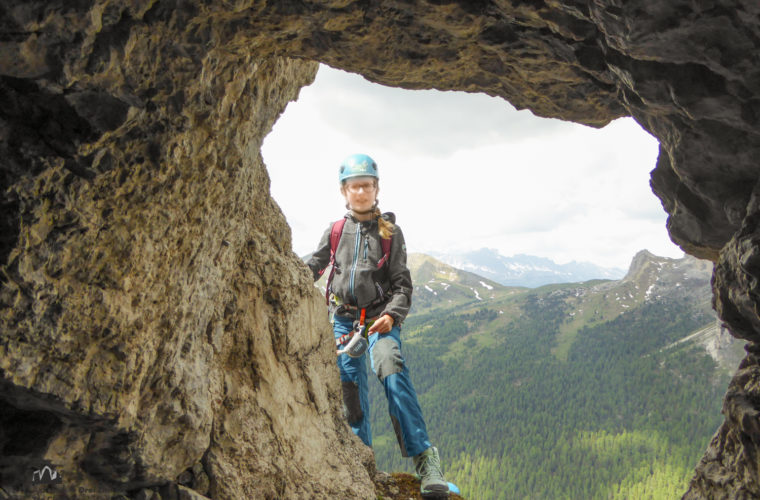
[
  {"x": 525, "y": 270},
  {"x": 604, "y": 389},
  {"x": 649, "y": 278}
]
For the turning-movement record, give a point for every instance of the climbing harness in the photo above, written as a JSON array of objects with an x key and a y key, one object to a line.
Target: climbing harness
[{"x": 357, "y": 345}]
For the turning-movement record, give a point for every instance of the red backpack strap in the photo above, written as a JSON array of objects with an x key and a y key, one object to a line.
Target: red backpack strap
[
  {"x": 335, "y": 234},
  {"x": 385, "y": 244}
]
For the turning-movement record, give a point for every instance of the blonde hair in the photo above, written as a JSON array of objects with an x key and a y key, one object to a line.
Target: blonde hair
[{"x": 384, "y": 227}]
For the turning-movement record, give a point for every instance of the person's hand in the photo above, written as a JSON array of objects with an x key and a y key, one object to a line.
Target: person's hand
[{"x": 382, "y": 325}]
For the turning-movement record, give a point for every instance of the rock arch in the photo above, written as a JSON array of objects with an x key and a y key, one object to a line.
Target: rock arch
[{"x": 150, "y": 303}]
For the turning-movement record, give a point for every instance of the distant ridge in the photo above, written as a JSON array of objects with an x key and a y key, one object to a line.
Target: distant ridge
[
  {"x": 525, "y": 270},
  {"x": 619, "y": 373}
]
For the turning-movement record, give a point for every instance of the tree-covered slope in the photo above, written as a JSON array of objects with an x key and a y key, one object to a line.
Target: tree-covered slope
[{"x": 562, "y": 392}]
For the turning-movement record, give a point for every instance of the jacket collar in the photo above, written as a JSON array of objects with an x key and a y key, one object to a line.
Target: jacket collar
[{"x": 350, "y": 216}]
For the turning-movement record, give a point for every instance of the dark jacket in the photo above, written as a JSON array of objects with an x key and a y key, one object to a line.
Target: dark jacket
[{"x": 357, "y": 281}]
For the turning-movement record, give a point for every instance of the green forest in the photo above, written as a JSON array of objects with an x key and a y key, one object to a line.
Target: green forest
[{"x": 619, "y": 417}]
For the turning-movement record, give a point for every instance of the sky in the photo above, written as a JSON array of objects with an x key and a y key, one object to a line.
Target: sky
[{"x": 467, "y": 171}]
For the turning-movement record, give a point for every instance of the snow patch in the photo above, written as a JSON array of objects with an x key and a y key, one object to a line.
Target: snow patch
[
  {"x": 431, "y": 290},
  {"x": 486, "y": 285}
]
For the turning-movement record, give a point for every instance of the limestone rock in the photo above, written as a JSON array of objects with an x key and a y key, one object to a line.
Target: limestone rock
[{"x": 152, "y": 315}]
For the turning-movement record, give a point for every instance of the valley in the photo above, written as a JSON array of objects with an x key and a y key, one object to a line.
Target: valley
[{"x": 600, "y": 389}]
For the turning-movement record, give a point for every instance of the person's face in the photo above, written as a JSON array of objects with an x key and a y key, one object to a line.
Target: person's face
[{"x": 360, "y": 193}]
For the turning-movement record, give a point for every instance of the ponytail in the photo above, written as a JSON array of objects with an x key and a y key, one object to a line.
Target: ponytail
[{"x": 384, "y": 227}]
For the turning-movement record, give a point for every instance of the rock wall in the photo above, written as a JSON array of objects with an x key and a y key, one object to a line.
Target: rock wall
[{"x": 157, "y": 332}]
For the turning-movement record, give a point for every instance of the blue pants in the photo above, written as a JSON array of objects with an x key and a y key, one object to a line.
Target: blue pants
[{"x": 388, "y": 364}]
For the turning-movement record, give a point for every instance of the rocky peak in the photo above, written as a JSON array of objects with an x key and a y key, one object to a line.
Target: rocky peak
[
  {"x": 687, "y": 277},
  {"x": 642, "y": 259}
]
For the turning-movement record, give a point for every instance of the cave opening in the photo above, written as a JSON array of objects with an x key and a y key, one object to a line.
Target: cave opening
[
  {"x": 467, "y": 171},
  {"x": 684, "y": 70},
  {"x": 448, "y": 160}
]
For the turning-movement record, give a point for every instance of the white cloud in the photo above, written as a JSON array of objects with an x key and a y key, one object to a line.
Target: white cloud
[
  {"x": 429, "y": 122},
  {"x": 465, "y": 171}
]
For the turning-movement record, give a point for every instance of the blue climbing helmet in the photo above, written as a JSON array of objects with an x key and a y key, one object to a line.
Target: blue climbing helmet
[{"x": 358, "y": 165}]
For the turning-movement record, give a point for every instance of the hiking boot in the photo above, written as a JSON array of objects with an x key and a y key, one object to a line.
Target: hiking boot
[{"x": 428, "y": 466}]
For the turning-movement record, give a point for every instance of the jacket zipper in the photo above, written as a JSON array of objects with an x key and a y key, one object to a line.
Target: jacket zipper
[{"x": 355, "y": 260}]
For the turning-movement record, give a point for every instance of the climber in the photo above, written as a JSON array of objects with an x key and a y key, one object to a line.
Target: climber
[{"x": 370, "y": 285}]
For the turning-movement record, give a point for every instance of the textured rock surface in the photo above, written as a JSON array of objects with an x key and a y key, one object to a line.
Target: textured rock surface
[
  {"x": 156, "y": 328},
  {"x": 157, "y": 332}
]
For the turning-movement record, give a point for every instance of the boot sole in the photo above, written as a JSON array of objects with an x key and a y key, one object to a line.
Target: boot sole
[{"x": 435, "y": 494}]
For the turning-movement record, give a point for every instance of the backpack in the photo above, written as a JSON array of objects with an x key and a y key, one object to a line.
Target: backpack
[{"x": 335, "y": 233}]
